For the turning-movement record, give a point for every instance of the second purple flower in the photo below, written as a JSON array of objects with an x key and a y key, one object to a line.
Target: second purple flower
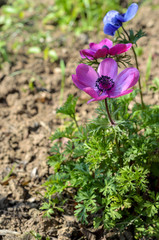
[{"x": 104, "y": 48}]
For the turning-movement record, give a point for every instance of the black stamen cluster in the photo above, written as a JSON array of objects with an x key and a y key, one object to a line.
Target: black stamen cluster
[{"x": 104, "y": 81}]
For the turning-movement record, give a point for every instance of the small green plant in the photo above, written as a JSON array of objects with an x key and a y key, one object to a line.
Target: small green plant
[
  {"x": 139, "y": 51},
  {"x": 32, "y": 84},
  {"x": 62, "y": 66},
  {"x": 3, "y": 53},
  {"x": 34, "y": 50},
  {"x": 110, "y": 188},
  {"x": 50, "y": 54},
  {"x": 155, "y": 86},
  {"x": 148, "y": 69},
  {"x": 37, "y": 236}
]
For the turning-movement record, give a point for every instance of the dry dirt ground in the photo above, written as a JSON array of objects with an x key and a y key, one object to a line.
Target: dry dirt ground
[{"x": 28, "y": 118}]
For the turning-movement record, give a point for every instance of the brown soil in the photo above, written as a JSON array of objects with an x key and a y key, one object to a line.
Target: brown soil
[{"x": 28, "y": 118}]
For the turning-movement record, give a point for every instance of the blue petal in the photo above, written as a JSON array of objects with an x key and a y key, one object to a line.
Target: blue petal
[
  {"x": 109, "y": 16},
  {"x": 111, "y": 23},
  {"x": 110, "y": 29},
  {"x": 120, "y": 17},
  {"x": 131, "y": 12}
]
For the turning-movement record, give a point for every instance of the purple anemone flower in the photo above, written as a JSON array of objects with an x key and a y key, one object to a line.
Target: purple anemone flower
[
  {"x": 113, "y": 19},
  {"x": 105, "y": 83},
  {"x": 105, "y": 47}
]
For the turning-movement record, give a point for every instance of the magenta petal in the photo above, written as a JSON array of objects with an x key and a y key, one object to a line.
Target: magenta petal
[
  {"x": 87, "y": 53},
  {"x": 77, "y": 83},
  {"x": 86, "y": 75},
  {"x": 98, "y": 98},
  {"x": 121, "y": 94},
  {"x": 126, "y": 79},
  {"x": 108, "y": 67},
  {"x": 101, "y": 53},
  {"x": 91, "y": 92},
  {"x": 104, "y": 42},
  {"x": 119, "y": 48}
]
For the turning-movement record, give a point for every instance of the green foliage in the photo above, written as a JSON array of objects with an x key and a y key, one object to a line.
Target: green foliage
[
  {"x": 82, "y": 15},
  {"x": 114, "y": 187},
  {"x": 20, "y": 21},
  {"x": 69, "y": 107},
  {"x": 62, "y": 66},
  {"x": 37, "y": 236},
  {"x": 3, "y": 53},
  {"x": 135, "y": 37},
  {"x": 130, "y": 36},
  {"x": 148, "y": 69},
  {"x": 155, "y": 86},
  {"x": 34, "y": 50},
  {"x": 50, "y": 206},
  {"x": 139, "y": 51}
]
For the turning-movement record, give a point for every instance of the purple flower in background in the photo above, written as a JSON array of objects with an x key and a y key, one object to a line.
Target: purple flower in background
[
  {"x": 100, "y": 50},
  {"x": 113, "y": 19},
  {"x": 105, "y": 83}
]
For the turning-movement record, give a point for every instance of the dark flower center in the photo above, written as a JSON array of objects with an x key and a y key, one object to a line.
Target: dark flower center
[
  {"x": 104, "y": 46},
  {"x": 104, "y": 83}
]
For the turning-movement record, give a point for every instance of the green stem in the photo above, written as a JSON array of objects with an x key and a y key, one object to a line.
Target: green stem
[
  {"x": 113, "y": 124},
  {"x": 74, "y": 118},
  {"x": 108, "y": 113},
  {"x": 137, "y": 66},
  {"x": 118, "y": 150}
]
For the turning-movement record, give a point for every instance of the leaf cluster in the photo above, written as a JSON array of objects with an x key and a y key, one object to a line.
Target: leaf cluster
[
  {"x": 130, "y": 37},
  {"x": 114, "y": 187}
]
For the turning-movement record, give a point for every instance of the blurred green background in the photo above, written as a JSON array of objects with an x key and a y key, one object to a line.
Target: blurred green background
[{"x": 30, "y": 25}]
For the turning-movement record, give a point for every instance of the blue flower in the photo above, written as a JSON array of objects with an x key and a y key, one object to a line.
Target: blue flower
[{"x": 113, "y": 19}]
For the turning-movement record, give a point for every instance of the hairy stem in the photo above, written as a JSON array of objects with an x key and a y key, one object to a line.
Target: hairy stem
[
  {"x": 137, "y": 66},
  {"x": 108, "y": 113}
]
